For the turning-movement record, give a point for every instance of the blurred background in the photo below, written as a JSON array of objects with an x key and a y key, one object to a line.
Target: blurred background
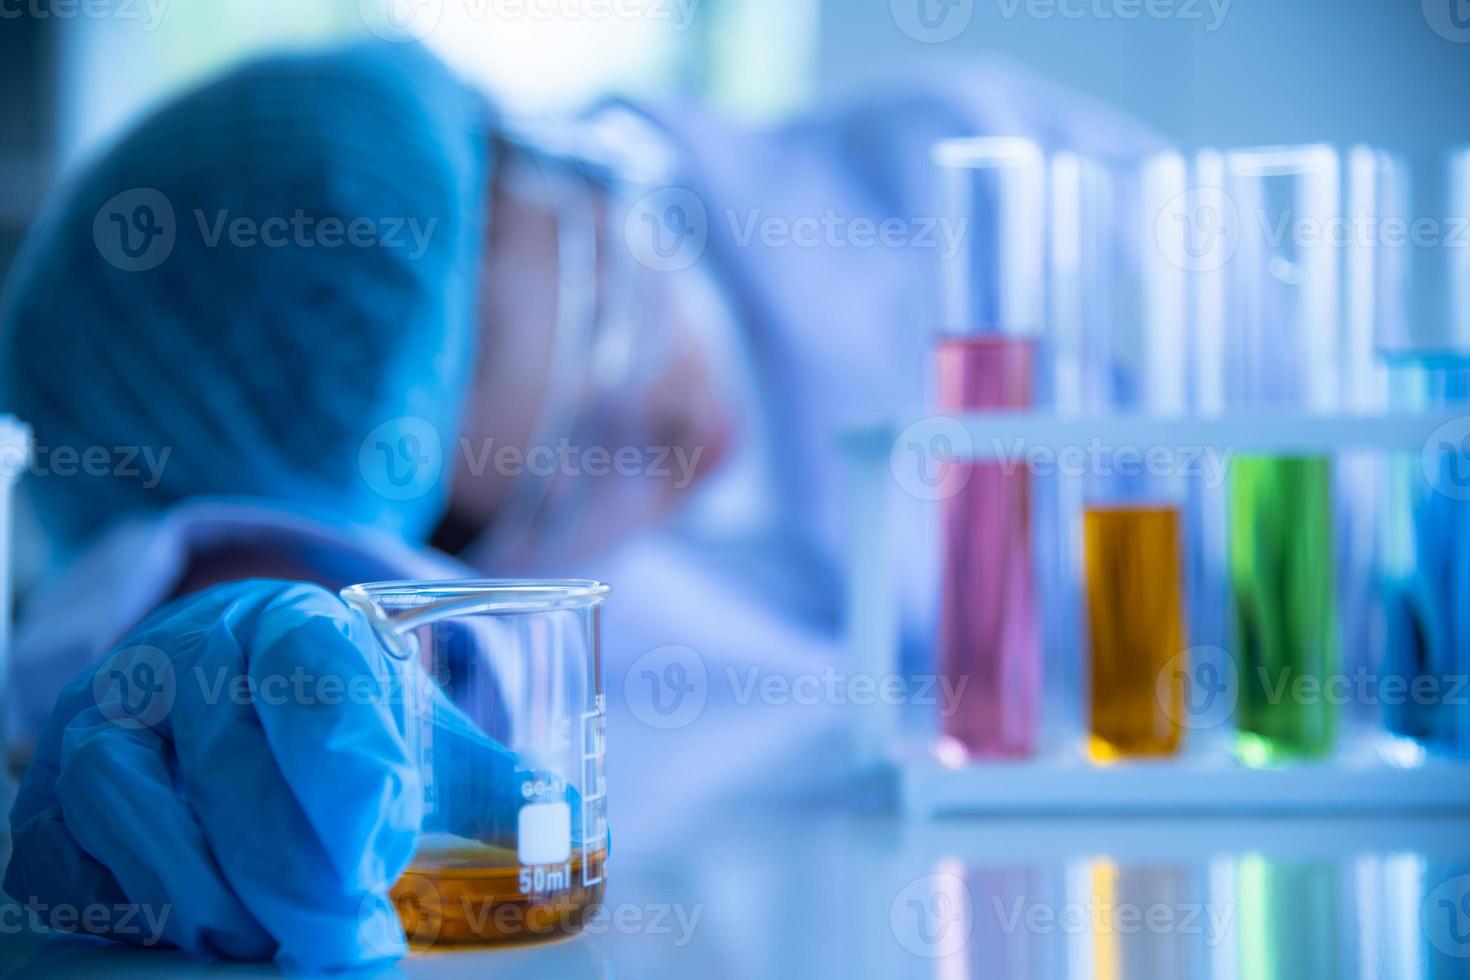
[
  {"x": 1203, "y": 72},
  {"x": 1307, "y": 897}
]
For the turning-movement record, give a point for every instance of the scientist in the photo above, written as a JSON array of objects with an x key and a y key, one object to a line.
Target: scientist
[{"x": 336, "y": 288}]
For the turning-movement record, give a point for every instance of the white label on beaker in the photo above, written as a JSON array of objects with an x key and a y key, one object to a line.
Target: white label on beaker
[{"x": 544, "y": 833}]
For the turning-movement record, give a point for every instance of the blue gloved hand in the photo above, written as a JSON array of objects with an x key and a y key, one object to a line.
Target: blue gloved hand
[{"x": 236, "y": 772}]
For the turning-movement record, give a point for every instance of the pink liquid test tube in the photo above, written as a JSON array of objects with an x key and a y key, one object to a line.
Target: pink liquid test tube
[{"x": 989, "y": 640}]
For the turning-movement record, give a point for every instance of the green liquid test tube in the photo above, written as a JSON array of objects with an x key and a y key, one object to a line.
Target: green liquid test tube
[{"x": 1284, "y": 607}]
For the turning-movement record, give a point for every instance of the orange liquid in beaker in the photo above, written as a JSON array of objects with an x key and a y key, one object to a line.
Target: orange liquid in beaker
[
  {"x": 1135, "y": 621},
  {"x": 448, "y": 905}
]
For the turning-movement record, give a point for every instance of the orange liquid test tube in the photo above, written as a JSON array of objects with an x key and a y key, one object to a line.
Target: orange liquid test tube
[{"x": 1135, "y": 630}]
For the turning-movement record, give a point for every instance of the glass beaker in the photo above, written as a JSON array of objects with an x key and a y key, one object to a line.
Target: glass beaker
[{"x": 505, "y": 715}]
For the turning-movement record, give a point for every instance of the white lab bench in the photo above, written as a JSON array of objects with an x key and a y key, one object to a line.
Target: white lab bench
[{"x": 817, "y": 892}]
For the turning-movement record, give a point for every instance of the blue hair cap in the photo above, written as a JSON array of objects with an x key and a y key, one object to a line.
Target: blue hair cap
[{"x": 265, "y": 289}]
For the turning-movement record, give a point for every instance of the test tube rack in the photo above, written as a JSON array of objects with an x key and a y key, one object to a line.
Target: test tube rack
[{"x": 1358, "y": 777}]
